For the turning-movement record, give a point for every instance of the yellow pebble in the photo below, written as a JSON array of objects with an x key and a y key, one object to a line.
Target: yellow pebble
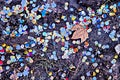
[
  {"x": 112, "y": 14},
  {"x": 73, "y": 18},
  {"x": 97, "y": 70},
  {"x": 7, "y": 47},
  {"x": 63, "y": 49},
  {"x": 9, "y": 14},
  {"x": 42, "y": 40},
  {"x": 63, "y": 40},
  {"x": 101, "y": 56},
  {"x": 10, "y": 51},
  {"x": 66, "y": 3},
  {"x": 116, "y": 56},
  {"x": 31, "y": 71},
  {"x": 3, "y": 45},
  {"x": 39, "y": 16},
  {"x": 94, "y": 74},
  {"x": 50, "y": 73},
  {"x": 62, "y": 17},
  {"x": 1, "y": 68},
  {"x": 34, "y": 21},
  {"x": 44, "y": 49},
  {"x": 25, "y": 52},
  {"x": 7, "y": 8},
  {"x": 30, "y": 50},
  {"x": 113, "y": 39},
  {"x": 102, "y": 6}
]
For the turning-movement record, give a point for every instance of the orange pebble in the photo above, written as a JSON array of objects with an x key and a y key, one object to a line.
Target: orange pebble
[
  {"x": 114, "y": 10},
  {"x": 12, "y": 35},
  {"x": 86, "y": 43},
  {"x": 75, "y": 50}
]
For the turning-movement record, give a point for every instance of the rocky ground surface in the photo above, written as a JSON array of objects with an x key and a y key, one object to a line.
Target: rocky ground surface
[{"x": 99, "y": 63}]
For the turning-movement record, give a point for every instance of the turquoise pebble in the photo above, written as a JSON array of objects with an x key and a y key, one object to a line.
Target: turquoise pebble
[
  {"x": 90, "y": 49},
  {"x": 44, "y": 0},
  {"x": 34, "y": 0},
  {"x": 44, "y": 34},
  {"x": 88, "y": 53},
  {"x": 106, "y": 22},
  {"x": 106, "y": 6},
  {"x": 54, "y": 52}
]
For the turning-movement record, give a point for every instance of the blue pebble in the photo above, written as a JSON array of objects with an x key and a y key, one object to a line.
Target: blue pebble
[
  {"x": 43, "y": 12},
  {"x": 19, "y": 74},
  {"x": 50, "y": 27},
  {"x": 7, "y": 67},
  {"x": 1, "y": 47},
  {"x": 94, "y": 78},
  {"x": 104, "y": 15},
  {"x": 53, "y": 5},
  {"x": 17, "y": 35},
  {"x": 98, "y": 20},
  {"x": 88, "y": 73},
  {"x": 118, "y": 4},
  {"x": 18, "y": 47},
  {"x": 21, "y": 64},
  {"x": 27, "y": 45},
  {"x": 2, "y": 58},
  {"x": 20, "y": 59},
  {"x": 98, "y": 25},
  {"x": 93, "y": 60}
]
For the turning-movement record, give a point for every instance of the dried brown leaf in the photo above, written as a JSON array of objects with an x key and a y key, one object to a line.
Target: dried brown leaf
[{"x": 80, "y": 32}]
